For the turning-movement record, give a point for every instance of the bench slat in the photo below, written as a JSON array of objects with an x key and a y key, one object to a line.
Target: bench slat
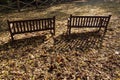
[
  {"x": 78, "y": 21},
  {"x": 17, "y": 28},
  {"x": 97, "y": 22},
  {"x": 21, "y": 27},
  {"x": 24, "y": 26},
  {"x": 13, "y": 26}
]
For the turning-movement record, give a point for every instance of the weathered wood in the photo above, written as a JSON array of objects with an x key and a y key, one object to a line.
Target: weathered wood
[
  {"x": 88, "y": 22},
  {"x": 25, "y": 26}
]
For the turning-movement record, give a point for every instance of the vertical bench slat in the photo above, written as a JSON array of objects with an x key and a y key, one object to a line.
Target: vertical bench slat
[
  {"x": 27, "y": 24},
  {"x": 36, "y": 23},
  {"x": 78, "y": 21},
  {"x": 86, "y": 21},
  {"x": 82, "y": 19},
  {"x": 106, "y": 21},
  {"x": 13, "y": 30},
  {"x": 89, "y": 22},
  {"x": 70, "y": 21},
  {"x": 17, "y": 28},
  {"x": 21, "y": 28},
  {"x": 24, "y": 29},
  {"x": 94, "y": 22},
  {"x": 45, "y": 27},
  {"x": 51, "y": 23},
  {"x": 32, "y": 23},
  {"x": 42, "y": 24},
  {"x": 97, "y": 21},
  {"x": 82, "y": 22},
  {"x": 73, "y": 22},
  {"x": 48, "y": 23},
  {"x": 100, "y": 22},
  {"x": 31, "y": 27}
]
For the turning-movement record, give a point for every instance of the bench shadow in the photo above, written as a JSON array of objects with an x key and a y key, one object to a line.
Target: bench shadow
[
  {"x": 21, "y": 47},
  {"x": 78, "y": 41}
]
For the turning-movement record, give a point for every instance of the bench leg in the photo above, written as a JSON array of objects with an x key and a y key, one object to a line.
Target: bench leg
[
  {"x": 69, "y": 31},
  {"x": 12, "y": 38},
  {"x": 105, "y": 30}
]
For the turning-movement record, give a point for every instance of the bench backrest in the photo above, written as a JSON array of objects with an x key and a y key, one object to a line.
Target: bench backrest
[
  {"x": 88, "y": 21},
  {"x": 23, "y": 26}
]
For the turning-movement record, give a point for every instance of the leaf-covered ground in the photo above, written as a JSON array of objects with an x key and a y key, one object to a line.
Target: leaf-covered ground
[{"x": 85, "y": 55}]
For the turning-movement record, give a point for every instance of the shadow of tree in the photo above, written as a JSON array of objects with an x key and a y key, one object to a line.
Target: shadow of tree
[{"x": 78, "y": 41}]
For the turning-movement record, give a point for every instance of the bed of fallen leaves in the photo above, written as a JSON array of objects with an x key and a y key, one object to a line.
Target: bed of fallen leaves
[{"x": 84, "y": 55}]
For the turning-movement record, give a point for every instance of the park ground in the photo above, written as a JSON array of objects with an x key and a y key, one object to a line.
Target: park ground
[{"x": 85, "y": 55}]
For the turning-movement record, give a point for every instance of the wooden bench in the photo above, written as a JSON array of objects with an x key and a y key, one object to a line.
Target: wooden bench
[
  {"x": 33, "y": 25},
  {"x": 88, "y": 22}
]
